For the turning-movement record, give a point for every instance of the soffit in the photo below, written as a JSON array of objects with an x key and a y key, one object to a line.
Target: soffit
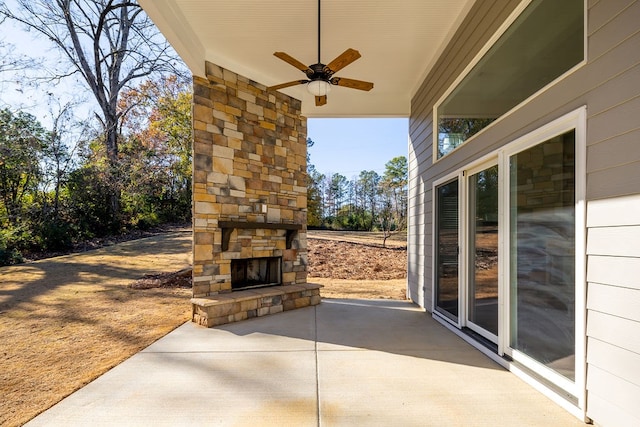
[{"x": 398, "y": 40}]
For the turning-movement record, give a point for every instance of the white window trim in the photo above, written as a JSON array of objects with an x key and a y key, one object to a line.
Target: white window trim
[
  {"x": 575, "y": 120},
  {"x": 496, "y": 36}
]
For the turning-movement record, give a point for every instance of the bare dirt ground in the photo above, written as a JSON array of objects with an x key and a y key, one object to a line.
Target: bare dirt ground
[
  {"x": 347, "y": 264},
  {"x": 66, "y": 320},
  {"x": 355, "y": 265}
]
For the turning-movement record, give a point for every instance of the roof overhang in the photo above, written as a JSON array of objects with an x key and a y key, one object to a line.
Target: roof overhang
[{"x": 399, "y": 42}]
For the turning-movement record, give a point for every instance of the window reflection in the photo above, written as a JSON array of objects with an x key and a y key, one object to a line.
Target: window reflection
[
  {"x": 544, "y": 42},
  {"x": 483, "y": 249},
  {"x": 542, "y": 227}
]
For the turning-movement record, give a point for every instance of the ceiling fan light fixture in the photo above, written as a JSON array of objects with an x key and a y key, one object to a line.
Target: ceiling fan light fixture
[
  {"x": 319, "y": 77},
  {"x": 319, "y": 87}
]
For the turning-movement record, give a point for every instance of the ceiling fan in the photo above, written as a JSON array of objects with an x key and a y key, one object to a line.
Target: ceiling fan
[{"x": 320, "y": 76}]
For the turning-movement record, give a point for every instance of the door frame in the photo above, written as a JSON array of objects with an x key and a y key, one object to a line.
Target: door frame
[
  {"x": 524, "y": 366},
  {"x": 576, "y": 121},
  {"x": 434, "y": 249},
  {"x": 466, "y": 239}
]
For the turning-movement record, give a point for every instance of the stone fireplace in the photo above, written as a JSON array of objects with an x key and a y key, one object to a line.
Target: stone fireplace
[{"x": 249, "y": 198}]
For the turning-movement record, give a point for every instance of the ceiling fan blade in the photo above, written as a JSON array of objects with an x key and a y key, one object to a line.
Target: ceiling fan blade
[
  {"x": 288, "y": 84},
  {"x": 351, "y": 83},
  {"x": 321, "y": 100},
  {"x": 344, "y": 59},
  {"x": 293, "y": 61}
]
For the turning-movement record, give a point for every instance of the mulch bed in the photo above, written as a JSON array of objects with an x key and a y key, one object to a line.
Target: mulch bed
[{"x": 176, "y": 279}]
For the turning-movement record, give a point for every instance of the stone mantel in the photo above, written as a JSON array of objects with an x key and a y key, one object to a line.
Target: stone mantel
[{"x": 227, "y": 228}]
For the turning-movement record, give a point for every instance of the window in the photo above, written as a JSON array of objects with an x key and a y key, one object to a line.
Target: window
[
  {"x": 482, "y": 242},
  {"x": 545, "y": 41}
]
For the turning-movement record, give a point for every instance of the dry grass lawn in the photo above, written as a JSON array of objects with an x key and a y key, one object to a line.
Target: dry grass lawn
[
  {"x": 64, "y": 321},
  {"x": 374, "y": 238},
  {"x": 367, "y": 289}
]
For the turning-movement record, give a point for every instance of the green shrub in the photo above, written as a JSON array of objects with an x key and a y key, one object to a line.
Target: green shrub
[
  {"x": 9, "y": 247},
  {"x": 55, "y": 235},
  {"x": 145, "y": 221}
]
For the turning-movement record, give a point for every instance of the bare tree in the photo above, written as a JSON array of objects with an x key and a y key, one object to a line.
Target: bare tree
[
  {"x": 61, "y": 145},
  {"x": 10, "y": 61},
  {"x": 109, "y": 43}
]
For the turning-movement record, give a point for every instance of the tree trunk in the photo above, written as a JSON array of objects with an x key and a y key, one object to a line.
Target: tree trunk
[{"x": 115, "y": 192}]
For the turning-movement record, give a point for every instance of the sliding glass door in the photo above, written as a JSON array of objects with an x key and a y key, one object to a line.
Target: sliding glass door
[
  {"x": 446, "y": 250},
  {"x": 509, "y": 249},
  {"x": 542, "y": 225},
  {"x": 482, "y": 258}
]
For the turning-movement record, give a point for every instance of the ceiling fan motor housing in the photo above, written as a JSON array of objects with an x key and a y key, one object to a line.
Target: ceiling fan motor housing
[
  {"x": 320, "y": 76},
  {"x": 318, "y": 72}
]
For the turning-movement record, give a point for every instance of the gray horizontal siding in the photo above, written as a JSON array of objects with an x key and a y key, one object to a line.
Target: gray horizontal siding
[
  {"x": 609, "y": 85},
  {"x": 617, "y": 331},
  {"x": 613, "y": 317},
  {"x": 614, "y": 271},
  {"x": 614, "y": 241},
  {"x": 618, "y": 180},
  {"x": 482, "y": 21},
  {"x": 610, "y": 409},
  {"x": 613, "y": 152},
  {"x": 614, "y": 212},
  {"x": 613, "y": 393},
  {"x": 617, "y": 302},
  {"x": 619, "y": 118},
  {"x": 602, "y": 12},
  {"x": 602, "y": 353}
]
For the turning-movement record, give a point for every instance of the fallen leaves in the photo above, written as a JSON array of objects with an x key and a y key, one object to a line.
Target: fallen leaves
[{"x": 355, "y": 261}]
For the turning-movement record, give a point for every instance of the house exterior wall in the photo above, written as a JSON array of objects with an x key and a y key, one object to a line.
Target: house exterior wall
[
  {"x": 609, "y": 85},
  {"x": 482, "y": 22}
]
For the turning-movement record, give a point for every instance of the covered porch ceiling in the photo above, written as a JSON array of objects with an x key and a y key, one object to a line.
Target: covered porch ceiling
[{"x": 399, "y": 42}]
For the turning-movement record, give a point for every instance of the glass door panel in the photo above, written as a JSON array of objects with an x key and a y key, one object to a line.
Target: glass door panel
[
  {"x": 482, "y": 307},
  {"x": 542, "y": 253},
  {"x": 446, "y": 286}
]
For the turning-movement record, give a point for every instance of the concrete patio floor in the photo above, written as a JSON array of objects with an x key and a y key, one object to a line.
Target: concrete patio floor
[{"x": 343, "y": 362}]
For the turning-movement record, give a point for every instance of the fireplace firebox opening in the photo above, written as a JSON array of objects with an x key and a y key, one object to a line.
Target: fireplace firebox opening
[{"x": 255, "y": 272}]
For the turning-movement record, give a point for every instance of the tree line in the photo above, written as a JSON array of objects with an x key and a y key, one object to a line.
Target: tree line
[
  {"x": 56, "y": 184},
  {"x": 127, "y": 166},
  {"x": 366, "y": 202}
]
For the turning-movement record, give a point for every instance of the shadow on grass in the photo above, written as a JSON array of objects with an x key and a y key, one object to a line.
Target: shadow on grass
[{"x": 27, "y": 282}]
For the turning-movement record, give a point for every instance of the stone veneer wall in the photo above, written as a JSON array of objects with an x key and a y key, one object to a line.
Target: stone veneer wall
[{"x": 250, "y": 166}]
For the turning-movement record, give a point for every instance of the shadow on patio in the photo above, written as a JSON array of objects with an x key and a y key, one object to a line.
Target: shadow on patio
[
  {"x": 390, "y": 326},
  {"x": 343, "y": 362}
]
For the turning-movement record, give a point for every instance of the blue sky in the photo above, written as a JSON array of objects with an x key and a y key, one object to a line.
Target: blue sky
[{"x": 349, "y": 146}]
